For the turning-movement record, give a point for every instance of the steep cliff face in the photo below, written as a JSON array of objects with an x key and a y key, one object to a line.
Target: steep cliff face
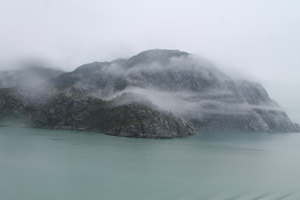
[{"x": 189, "y": 87}]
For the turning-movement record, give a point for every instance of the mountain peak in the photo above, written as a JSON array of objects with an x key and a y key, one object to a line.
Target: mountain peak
[
  {"x": 162, "y": 52},
  {"x": 157, "y": 55}
]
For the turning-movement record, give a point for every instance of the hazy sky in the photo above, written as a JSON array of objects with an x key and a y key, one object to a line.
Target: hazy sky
[{"x": 259, "y": 38}]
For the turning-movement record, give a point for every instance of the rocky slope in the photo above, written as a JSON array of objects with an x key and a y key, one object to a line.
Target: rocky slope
[
  {"x": 156, "y": 94},
  {"x": 75, "y": 110}
]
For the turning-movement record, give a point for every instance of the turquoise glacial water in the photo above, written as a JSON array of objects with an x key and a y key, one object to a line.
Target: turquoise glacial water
[{"x": 38, "y": 164}]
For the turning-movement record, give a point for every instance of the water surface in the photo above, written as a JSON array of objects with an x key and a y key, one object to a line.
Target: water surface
[{"x": 40, "y": 164}]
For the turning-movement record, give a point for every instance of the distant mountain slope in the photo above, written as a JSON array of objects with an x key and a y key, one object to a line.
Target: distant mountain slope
[{"x": 31, "y": 75}]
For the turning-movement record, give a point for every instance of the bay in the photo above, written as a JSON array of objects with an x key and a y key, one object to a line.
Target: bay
[{"x": 54, "y": 164}]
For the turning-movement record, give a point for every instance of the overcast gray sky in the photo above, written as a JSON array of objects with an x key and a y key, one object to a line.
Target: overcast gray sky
[{"x": 259, "y": 38}]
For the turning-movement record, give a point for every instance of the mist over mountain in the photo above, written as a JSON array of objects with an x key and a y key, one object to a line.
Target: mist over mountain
[
  {"x": 156, "y": 93},
  {"x": 28, "y": 75},
  {"x": 190, "y": 87}
]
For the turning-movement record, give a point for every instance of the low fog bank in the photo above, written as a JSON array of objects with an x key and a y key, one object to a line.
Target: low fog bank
[
  {"x": 28, "y": 74},
  {"x": 185, "y": 102}
]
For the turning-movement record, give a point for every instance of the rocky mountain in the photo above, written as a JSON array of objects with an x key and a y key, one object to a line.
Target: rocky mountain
[
  {"x": 157, "y": 93},
  {"x": 187, "y": 86}
]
